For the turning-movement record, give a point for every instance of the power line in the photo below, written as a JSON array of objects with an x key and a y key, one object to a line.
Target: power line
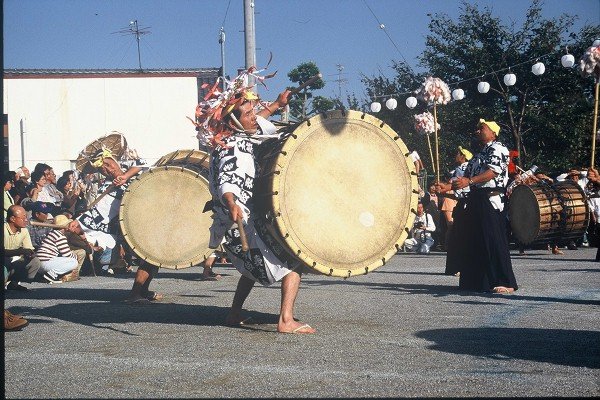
[
  {"x": 383, "y": 28},
  {"x": 226, "y": 12}
]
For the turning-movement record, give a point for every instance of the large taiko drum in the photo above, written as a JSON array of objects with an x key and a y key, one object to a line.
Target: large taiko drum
[
  {"x": 543, "y": 213},
  {"x": 339, "y": 193},
  {"x": 161, "y": 214}
]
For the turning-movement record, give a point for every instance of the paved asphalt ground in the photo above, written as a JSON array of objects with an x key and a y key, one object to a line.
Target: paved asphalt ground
[{"x": 403, "y": 330}]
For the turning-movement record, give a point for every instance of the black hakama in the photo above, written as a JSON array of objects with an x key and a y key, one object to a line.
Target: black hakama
[
  {"x": 486, "y": 261},
  {"x": 455, "y": 248}
]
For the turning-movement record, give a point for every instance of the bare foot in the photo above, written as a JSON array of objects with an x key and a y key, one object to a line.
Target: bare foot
[
  {"x": 294, "y": 327},
  {"x": 503, "y": 290},
  {"x": 209, "y": 275}
]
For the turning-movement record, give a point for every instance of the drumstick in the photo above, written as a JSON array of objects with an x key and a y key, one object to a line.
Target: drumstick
[
  {"x": 243, "y": 237},
  {"x": 47, "y": 225},
  {"x": 110, "y": 188},
  {"x": 310, "y": 81}
]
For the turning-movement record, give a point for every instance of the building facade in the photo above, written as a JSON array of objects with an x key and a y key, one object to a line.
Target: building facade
[{"x": 51, "y": 115}]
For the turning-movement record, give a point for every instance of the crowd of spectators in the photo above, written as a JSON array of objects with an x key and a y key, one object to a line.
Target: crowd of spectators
[{"x": 43, "y": 241}]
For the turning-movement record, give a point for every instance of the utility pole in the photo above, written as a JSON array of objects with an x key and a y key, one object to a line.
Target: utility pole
[
  {"x": 23, "y": 131},
  {"x": 222, "y": 42},
  {"x": 249, "y": 37}
]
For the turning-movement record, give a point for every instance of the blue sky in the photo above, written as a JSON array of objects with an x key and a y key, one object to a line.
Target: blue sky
[{"x": 184, "y": 33}]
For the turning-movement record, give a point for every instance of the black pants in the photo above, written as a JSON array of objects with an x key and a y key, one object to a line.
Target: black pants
[
  {"x": 486, "y": 255},
  {"x": 456, "y": 243}
]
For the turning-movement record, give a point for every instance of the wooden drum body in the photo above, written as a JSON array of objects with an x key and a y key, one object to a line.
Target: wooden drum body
[
  {"x": 339, "y": 193},
  {"x": 161, "y": 212},
  {"x": 542, "y": 213}
]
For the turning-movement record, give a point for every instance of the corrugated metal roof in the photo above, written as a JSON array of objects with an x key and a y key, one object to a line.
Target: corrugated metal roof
[{"x": 83, "y": 73}]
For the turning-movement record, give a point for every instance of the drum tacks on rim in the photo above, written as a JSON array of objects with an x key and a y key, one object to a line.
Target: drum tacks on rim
[
  {"x": 161, "y": 212},
  {"x": 339, "y": 193}
]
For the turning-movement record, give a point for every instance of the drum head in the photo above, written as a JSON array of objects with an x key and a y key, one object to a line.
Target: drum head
[
  {"x": 524, "y": 214},
  {"x": 345, "y": 193},
  {"x": 161, "y": 217}
]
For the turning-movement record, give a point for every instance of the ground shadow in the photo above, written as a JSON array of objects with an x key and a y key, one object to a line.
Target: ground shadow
[
  {"x": 447, "y": 290},
  {"x": 410, "y": 273},
  {"x": 556, "y": 346},
  {"x": 190, "y": 276},
  {"x": 555, "y": 259},
  {"x": 434, "y": 290},
  {"x": 119, "y": 315}
]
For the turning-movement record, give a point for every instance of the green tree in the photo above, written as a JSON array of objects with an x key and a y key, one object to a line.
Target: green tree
[
  {"x": 547, "y": 118},
  {"x": 299, "y": 105}
]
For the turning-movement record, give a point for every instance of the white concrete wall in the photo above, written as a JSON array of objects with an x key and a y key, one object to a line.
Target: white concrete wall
[{"x": 63, "y": 115}]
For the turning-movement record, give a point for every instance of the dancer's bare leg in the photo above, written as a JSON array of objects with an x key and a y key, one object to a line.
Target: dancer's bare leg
[
  {"x": 242, "y": 291},
  {"x": 290, "y": 285},
  {"x": 208, "y": 272},
  {"x": 141, "y": 283}
]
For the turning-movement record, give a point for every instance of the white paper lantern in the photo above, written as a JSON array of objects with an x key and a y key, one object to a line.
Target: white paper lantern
[
  {"x": 596, "y": 43},
  {"x": 483, "y": 87},
  {"x": 375, "y": 107},
  {"x": 510, "y": 79},
  {"x": 458, "y": 94},
  {"x": 567, "y": 61},
  {"x": 391, "y": 104},
  {"x": 538, "y": 68},
  {"x": 411, "y": 102}
]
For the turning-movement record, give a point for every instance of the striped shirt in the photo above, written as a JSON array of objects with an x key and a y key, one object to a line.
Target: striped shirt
[{"x": 54, "y": 245}]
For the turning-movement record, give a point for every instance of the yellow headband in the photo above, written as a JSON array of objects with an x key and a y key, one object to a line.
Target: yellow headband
[
  {"x": 101, "y": 156},
  {"x": 492, "y": 125},
  {"x": 468, "y": 155}
]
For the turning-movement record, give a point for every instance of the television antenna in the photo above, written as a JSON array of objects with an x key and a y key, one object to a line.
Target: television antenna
[
  {"x": 340, "y": 80},
  {"x": 134, "y": 29}
]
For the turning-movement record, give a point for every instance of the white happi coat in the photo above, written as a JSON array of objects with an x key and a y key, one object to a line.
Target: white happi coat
[
  {"x": 99, "y": 223},
  {"x": 233, "y": 169}
]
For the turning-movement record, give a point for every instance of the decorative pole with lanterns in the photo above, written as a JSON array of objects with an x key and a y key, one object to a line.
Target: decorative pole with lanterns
[
  {"x": 589, "y": 65},
  {"x": 435, "y": 91}
]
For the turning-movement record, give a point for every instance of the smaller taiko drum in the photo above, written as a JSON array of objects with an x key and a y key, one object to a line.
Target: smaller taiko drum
[
  {"x": 543, "y": 213},
  {"x": 161, "y": 214}
]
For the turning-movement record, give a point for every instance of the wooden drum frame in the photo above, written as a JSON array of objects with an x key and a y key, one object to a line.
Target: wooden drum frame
[{"x": 541, "y": 213}]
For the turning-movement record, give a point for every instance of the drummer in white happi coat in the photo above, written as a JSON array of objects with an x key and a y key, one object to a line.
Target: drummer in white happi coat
[
  {"x": 100, "y": 223},
  {"x": 232, "y": 126}
]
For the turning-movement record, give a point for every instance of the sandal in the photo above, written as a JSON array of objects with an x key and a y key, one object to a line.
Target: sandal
[{"x": 154, "y": 296}]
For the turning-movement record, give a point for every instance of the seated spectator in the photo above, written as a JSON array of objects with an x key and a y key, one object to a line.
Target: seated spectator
[
  {"x": 19, "y": 260},
  {"x": 56, "y": 257},
  {"x": 39, "y": 213},
  {"x": 80, "y": 246},
  {"x": 19, "y": 190},
  {"x": 49, "y": 192},
  {"x": 420, "y": 235},
  {"x": 7, "y": 183},
  {"x": 70, "y": 194},
  {"x": 432, "y": 203},
  {"x": 38, "y": 181}
]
